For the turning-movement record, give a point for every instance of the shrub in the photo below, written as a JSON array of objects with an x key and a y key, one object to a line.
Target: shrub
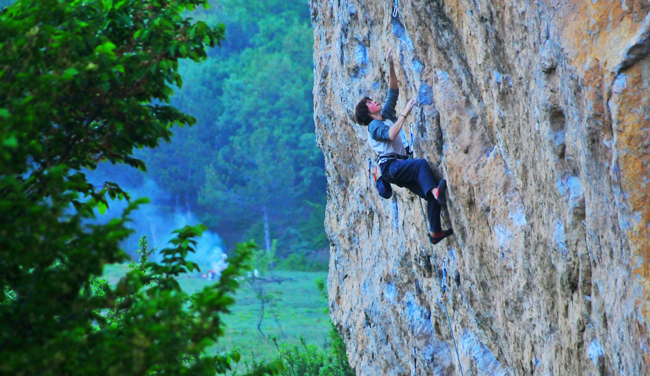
[
  {"x": 308, "y": 360},
  {"x": 83, "y": 82}
]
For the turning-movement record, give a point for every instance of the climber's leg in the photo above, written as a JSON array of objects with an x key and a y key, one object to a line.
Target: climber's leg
[
  {"x": 417, "y": 176},
  {"x": 411, "y": 172},
  {"x": 436, "y": 234},
  {"x": 436, "y": 237},
  {"x": 433, "y": 211},
  {"x": 440, "y": 193}
]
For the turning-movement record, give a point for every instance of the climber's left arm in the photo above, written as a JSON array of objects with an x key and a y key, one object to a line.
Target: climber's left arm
[
  {"x": 392, "y": 77},
  {"x": 388, "y": 111}
]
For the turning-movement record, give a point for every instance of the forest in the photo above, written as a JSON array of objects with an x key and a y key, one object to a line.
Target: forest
[
  {"x": 213, "y": 101},
  {"x": 249, "y": 168}
]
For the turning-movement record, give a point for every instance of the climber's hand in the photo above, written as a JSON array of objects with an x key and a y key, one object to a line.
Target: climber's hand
[
  {"x": 409, "y": 107},
  {"x": 389, "y": 56}
]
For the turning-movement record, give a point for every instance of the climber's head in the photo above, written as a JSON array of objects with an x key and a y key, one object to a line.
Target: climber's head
[{"x": 364, "y": 110}]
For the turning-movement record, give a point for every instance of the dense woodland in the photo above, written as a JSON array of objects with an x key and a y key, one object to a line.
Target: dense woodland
[
  {"x": 250, "y": 163},
  {"x": 249, "y": 168},
  {"x": 90, "y": 84}
]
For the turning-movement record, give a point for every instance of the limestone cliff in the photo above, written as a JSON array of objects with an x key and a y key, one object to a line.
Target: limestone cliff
[{"x": 538, "y": 115}]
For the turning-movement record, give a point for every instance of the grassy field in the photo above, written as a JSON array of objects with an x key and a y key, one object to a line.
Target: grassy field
[{"x": 300, "y": 310}]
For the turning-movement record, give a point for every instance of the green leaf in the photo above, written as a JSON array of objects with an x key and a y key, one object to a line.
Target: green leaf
[
  {"x": 119, "y": 68},
  {"x": 106, "y": 49},
  {"x": 69, "y": 73},
  {"x": 101, "y": 206},
  {"x": 11, "y": 142},
  {"x": 4, "y": 113}
]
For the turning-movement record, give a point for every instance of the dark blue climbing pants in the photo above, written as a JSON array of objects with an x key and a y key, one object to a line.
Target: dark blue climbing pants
[{"x": 416, "y": 175}]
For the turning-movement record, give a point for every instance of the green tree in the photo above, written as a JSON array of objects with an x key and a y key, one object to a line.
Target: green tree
[
  {"x": 270, "y": 164},
  {"x": 250, "y": 165},
  {"x": 83, "y": 82}
]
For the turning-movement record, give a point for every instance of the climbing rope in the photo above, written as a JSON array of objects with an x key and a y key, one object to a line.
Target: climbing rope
[
  {"x": 395, "y": 8},
  {"x": 443, "y": 288},
  {"x": 460, "y": 365}
]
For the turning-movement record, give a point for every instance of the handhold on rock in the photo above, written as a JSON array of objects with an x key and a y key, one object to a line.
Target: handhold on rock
[
  {"x": 425, "y": 94},
  {"x": 547, "y": 60}
]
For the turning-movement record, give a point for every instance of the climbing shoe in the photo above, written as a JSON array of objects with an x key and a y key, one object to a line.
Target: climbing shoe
[
  {"x": 438, "y": 236},
  {"x": 441, "y": 192}
]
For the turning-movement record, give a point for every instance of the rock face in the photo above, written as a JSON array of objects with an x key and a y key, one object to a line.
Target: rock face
[{"x": 538, "y": 115}]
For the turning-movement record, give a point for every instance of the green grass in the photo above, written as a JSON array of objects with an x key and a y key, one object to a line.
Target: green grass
[{"x": 300, "y": 311}]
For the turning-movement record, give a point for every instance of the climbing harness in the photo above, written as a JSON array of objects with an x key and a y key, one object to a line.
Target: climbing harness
[{"x": 395, "y": 8}]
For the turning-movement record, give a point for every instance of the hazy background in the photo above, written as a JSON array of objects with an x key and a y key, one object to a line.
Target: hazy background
[
  {"x": 250, "y": 163},
  {"x": 251, "y": 160}
]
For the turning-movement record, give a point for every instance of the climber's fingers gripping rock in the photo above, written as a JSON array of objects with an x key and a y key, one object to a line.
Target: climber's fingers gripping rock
[
  {"x": 409, "y": 107},
  {"x": 389, "y": 56}
]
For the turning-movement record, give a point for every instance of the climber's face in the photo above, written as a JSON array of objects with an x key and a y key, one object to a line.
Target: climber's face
[{"x": 373, "y": 106}]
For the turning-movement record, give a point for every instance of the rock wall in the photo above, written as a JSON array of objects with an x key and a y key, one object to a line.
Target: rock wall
[{"x": 538, "y": 115}]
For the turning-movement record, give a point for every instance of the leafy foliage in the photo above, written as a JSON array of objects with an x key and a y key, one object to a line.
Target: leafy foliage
[
  {"x": 83, "y": 82},
  {"x": 308, "y": 360},
  {"x": 299, "y": 261},
  {"x": 253, "y": 150},
  {"x": 186, "y": 326}
]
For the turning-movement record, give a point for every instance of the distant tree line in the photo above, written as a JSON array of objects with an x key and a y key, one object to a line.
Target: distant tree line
[
  {"x": 84, "y": 81},
  {"x": 250, "y": 167}
]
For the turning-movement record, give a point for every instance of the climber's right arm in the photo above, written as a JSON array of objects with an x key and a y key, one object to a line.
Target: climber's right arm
[
  {"x": 395, "y": 128},
  {"x": 381, "y": 132},
  {"x": 393, "y": 131}
]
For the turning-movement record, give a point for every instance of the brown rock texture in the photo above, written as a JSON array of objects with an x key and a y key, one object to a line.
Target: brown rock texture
[{"x": 538, "y": 115}]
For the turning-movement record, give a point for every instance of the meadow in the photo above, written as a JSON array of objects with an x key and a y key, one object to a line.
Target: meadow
[{"x": 299, "y": 307}]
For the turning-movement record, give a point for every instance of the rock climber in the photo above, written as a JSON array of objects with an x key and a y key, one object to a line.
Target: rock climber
[{"x": 396, "y": 168}]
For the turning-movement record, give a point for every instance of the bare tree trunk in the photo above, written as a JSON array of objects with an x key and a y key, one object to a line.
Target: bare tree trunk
[
  {"x": 276, "y": 320},
  {"x": 259, "y": 323},
  {"x": 267, "y": 231}
]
